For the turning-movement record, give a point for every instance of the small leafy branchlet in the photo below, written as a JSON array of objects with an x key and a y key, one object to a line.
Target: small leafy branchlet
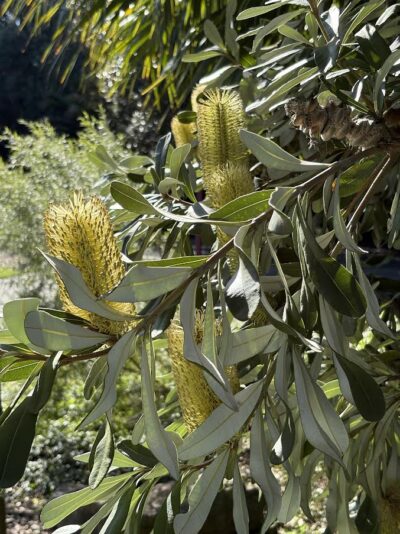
[
  {"x": 334, "y": 122},
  {"x": 80, "y": 233}
]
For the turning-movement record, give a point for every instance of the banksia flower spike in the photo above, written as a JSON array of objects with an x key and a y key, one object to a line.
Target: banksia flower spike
[
  {"x": 183, "y": 132},
  {"x": 228, "y": 182},
  {"x": 220, "y": 116},
  {"x": 226, "y": 176},
  {"x": 196, "y": 93},
  {"x": 196, "y": 399},
  {"x": 81, "y": 234}
]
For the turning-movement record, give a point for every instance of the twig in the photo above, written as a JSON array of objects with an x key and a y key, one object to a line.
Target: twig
[
  {"x": 370, "y": 191},
  {"x": 63, "y": 361},
  {"x": 338, "y": 165},
  {"x": 83, "y": 357},
  {"x": 315, "y": 12},
  {"x": 21, "y": 355},
  {"x": 376, "y": 178}
]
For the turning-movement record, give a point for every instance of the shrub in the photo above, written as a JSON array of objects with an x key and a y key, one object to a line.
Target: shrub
[{"x": 279, "y": 341}]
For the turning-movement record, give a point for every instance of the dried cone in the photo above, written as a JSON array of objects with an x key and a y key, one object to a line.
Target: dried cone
[
  {"x": 81, "y": 234},
  {"x": 196, "y": 399}
]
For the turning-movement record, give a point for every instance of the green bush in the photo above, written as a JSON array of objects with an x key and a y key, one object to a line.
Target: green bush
[
  {"x": 283, "y": 348},
  {"x": 44, "y": 167}
]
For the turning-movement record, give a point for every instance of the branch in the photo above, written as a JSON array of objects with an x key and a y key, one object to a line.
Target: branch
[
  {"x": 207, "y": 265},
  {"x": 374, "y": 182},
  {"x": 338, "y": 165}
]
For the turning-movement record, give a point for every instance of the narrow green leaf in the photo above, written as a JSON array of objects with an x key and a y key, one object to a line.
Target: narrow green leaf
[
  {"x": 240, "y": 511},
  {"x": 290, "y": 32},
  {"x": 14, "y": 313},
  {"x": 158, "y": 440},
  {"x": 191, "y": 350},
  {"x": 322, "y": 426},
  {"x": 290, "y": 499},
  {"x": 354, "y": 178},
  {"x": 130, "y": 199},
  {"x": 138, "y": 453},
  {"x": 116, "y": 520},
  {"x": 271, "y": 26},
  {"x": 365, "y": 392},
  {"x": 16, "y": 437},
  {"x": 212, "y": 34},
  {"x": 244, "y": 208},
  {"x": 19, "y": 370},
  {"x": 243, "y": 290},
  {"x": 102, "y": 455},
  {"x": 261, "y": 470},
  {"x": 335, "y": 283},
  {"x": 283, "y": 446},
  {"x": 360, "y": 16},
  {"x": 202, "y": 497},
  {"x": 280, "y": 223},
  {"x": 48, "y": 331},
  {"x": 251, "y": 341},
  {"x": 79, "y": 293},
  {"x": 209, "y": 345},
  {"x": 143, "y": 283},
  {"x": 179, "y": 261},
  {"x": 186, "y": 117},
  {"x": 272, "y": 155},
  {"x": 305, "y": 482},
  {"x": 252, "y": 12},
  {"x": 201, "y": 56},
  {"x": 373, "y": 309},
  {"x": 378, "y": 93},
  {"x": 18, "y": 430},
  {"x": 116, "y": 359},
  {"x": 177, "y": 159},
  {"x": 221, "y": 425},
  {"x": 341, "y": 231},
  {"x": 61, "y": 507}
]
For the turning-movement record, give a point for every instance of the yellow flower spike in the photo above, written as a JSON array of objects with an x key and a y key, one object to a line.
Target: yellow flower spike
[
  {"x": 197, "y": 91},
  {"x": 220, "y": 116},
  {"x": 228, "y": 182},
  {"x": 183, "y": 132},
  {"x": 196, "y": 399},
  {"x": 81, "y": 234}
]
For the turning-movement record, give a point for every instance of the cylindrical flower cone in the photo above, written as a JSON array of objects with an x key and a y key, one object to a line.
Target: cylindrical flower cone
[
  {"x": 80, "y": 232},
  {"x": 196, "y": 399}
]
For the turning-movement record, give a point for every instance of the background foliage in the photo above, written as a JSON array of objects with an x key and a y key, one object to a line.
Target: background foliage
[{"x": 45, "y": 167}]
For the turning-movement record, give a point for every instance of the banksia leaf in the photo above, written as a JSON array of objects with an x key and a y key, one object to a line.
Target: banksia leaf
[
  {"x": 183, "y": 132},
  {"x": 220, "y": 116},
  {"x": 81, "y": 234},
  {"x": 196, "y": 399}
]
